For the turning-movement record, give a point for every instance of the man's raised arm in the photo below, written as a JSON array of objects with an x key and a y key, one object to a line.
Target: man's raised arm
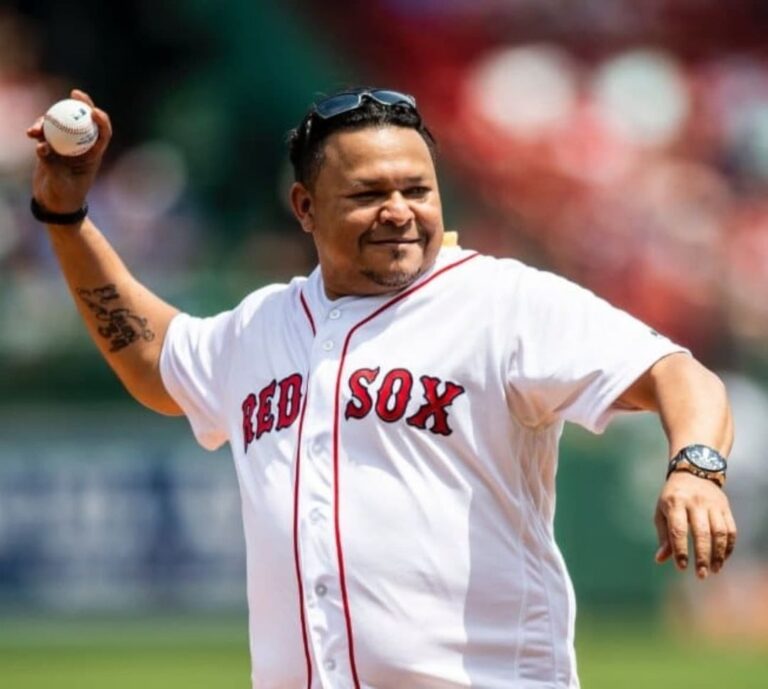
[{"x": 126, "y": 321}]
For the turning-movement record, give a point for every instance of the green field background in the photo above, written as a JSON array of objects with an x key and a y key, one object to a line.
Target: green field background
[{"x": 203, "y": 653}]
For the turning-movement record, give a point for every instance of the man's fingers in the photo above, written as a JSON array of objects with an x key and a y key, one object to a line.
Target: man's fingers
[
  {"x": 102, "y": 121},
  {"x": 677, "y": 534},
  {"x": 77, "y": 94},
  {"x": 36, "y": 130},
  {"x": 43, "y": 149},
  {"x": 702, "y": 540},
  {"x": 730, "y": 525},
  {"x": 719, "y": 539},
  {"x": 664, "y": 551}
]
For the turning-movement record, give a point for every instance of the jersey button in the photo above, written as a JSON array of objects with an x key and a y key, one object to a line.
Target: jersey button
[
  {"x": 321, "y": 590},
  {"x": 334, "y": 314},
  {"x": 328, "y": 345},
  {"x": 315, "y": 515},
  {"x": 330, "y": 664}
]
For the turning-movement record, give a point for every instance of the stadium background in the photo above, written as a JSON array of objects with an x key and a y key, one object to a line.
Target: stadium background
[{"x": 622, "y": 143}]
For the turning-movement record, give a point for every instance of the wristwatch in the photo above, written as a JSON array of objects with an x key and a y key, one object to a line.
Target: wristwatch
[{"x": 700, "y": 460}]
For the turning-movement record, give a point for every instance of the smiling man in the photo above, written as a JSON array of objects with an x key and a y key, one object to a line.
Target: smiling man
[
  {"x": 369, "y": 196},
  {"x": 394, "y": 417}
]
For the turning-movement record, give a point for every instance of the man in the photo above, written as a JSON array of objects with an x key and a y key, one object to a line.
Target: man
[{"x": 394, "y": 417}]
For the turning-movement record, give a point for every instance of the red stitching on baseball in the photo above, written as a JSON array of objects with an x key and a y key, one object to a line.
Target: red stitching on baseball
[{"x": 64, "y": 128}]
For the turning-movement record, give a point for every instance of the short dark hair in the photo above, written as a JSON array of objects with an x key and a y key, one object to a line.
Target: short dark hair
[{"x": 305, "y": 142}]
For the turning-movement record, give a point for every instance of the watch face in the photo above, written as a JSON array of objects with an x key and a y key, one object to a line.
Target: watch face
[{"x": 705, "y": 458}]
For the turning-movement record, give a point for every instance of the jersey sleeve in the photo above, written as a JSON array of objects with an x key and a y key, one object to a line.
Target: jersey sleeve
[
  {"x": 194, "y": 368},
  {"x": 573, "y": 354}
]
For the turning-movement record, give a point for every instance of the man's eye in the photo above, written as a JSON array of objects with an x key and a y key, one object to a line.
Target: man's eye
[
  {"x": 416, "y": 192},
  {"x": 365, "y": 196}
]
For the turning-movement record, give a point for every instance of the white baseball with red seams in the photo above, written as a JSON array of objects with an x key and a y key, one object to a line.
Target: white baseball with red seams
[
  {"x": 396, "y": 457},
  {"x": 69, "y": 128}
]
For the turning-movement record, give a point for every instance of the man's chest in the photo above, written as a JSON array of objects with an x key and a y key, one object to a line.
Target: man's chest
[{"x": 401, "y": 372}]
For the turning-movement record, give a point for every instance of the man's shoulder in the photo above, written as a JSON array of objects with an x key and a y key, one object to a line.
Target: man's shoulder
[
  {"x": 488, "y": 279},
  {"x": 270, "y": 301},
  {"x": 495, "y": 268},
  {"x": 483, "y": 269}
]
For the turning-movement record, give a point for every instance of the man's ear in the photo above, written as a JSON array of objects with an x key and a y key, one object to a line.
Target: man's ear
[{"x": 303, "y": 207}]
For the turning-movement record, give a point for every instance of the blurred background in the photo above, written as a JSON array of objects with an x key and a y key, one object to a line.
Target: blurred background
[{"x": 621, "y": 143}]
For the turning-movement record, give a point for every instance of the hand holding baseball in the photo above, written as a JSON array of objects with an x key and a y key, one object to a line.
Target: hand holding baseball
[{"x": 61, "y": 182}]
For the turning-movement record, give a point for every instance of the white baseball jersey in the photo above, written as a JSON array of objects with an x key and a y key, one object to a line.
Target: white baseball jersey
[{"x": 396, "y": 458}]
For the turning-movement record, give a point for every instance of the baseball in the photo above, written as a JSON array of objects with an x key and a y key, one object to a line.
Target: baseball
[{"x": 68, "y": 127}]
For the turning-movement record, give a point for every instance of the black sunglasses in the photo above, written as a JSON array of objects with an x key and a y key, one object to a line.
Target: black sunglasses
[
  {"x": 348, "y": 101},
  {"x": 351, "y": 100}
]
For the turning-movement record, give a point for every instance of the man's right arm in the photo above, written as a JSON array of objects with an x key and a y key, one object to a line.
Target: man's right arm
[{"x": 127, "y": 322}]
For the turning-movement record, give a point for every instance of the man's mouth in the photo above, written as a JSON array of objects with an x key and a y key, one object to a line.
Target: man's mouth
[{"x": 395, "y": 240}]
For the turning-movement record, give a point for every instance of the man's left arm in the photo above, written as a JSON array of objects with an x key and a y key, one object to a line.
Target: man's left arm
[{"x": 694, "y": 410}]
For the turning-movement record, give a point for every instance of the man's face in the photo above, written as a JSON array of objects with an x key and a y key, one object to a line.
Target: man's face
[{"x": 374, "y": 210}]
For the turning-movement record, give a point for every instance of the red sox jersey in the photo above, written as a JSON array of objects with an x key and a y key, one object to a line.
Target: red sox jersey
[{"x": 396, "y": 459}]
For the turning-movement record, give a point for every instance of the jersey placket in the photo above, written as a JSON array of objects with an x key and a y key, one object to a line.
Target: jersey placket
[{"x": 318, "y": 549}]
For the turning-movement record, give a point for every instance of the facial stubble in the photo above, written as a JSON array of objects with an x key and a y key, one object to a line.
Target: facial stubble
[{"x": 395, "y": 279}]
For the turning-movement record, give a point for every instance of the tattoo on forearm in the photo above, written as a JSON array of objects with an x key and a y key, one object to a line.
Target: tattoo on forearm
[{"x": 119, "y": 325}]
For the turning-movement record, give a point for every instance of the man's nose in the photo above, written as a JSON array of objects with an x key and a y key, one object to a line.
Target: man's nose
[{"x": 396, "y": 210}]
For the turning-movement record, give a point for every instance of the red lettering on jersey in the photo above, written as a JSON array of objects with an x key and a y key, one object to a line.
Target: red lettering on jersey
[
  {"x": 391, "y": 404},
  {"x": 358, "y": 384},
  {"x": 289, "y": 401},
  {"x": 435, "y": 405},
  {"x": 249, "y": 406},
  {"x": 264, "y": 417},
  {"x": 258, "y": 407}
]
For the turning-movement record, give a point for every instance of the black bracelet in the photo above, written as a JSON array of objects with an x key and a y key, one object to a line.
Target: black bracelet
[{"x": 50, "y": 218}]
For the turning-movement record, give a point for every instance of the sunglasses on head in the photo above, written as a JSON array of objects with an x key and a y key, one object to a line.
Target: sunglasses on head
[{"x": 351, "y": 100}]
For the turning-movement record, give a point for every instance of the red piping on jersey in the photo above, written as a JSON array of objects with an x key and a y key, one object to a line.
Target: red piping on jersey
[
  {"x": 339, "y": 551},
  {"x": 296, "y": 540},
  {"x": 308, "y": 312},
  {"x": 296, "y": 558}
]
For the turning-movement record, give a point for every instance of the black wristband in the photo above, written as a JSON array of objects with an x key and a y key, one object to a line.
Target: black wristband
[{"x": 50, "y": 218}]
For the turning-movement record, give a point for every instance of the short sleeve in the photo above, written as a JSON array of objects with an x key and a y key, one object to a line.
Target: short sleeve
[
  {"x": 573, "y": 354},
  {"x": 194, "y": 368}
]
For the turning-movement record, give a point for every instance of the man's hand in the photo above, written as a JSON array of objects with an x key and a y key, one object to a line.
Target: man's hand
[
  {"x": 61, "y": 183},
  {"x": 696, "y": 506}
]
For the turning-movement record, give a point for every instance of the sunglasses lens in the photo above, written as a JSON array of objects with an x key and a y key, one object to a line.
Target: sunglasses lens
[
  {"x": 392, "y": 97},
  {"x": 335, "y": 105}
]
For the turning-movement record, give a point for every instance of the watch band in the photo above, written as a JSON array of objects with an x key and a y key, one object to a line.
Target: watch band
[{"x": 40, "y": 213}]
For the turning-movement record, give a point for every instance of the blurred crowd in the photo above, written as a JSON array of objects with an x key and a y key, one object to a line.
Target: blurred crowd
[{"x": 623, "y": 144}]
